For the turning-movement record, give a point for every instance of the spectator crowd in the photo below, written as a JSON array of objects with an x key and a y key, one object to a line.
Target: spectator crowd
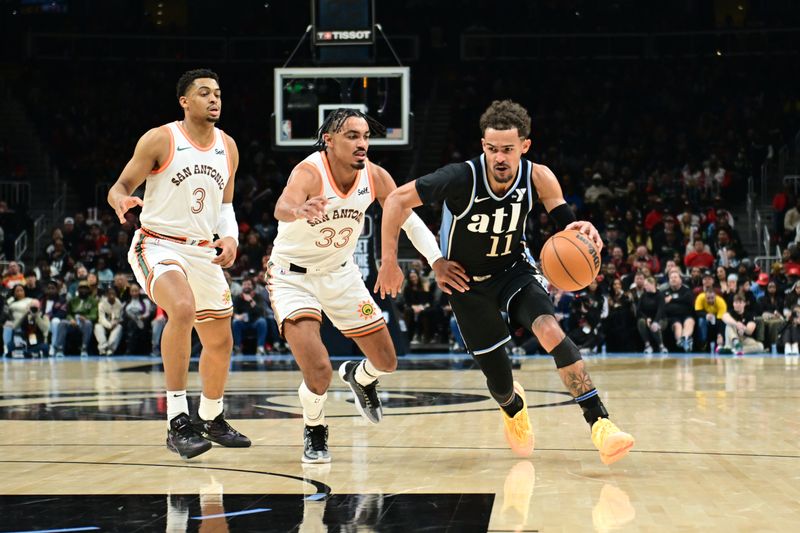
[{"x": 653, "y": 161}]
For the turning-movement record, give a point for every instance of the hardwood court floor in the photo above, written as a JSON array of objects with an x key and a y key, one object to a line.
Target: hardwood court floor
[{"x": 718, "y": 449}]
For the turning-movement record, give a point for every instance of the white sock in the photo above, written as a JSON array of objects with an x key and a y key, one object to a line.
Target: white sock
[
  {"x": 795, "y": 349},
  {"x": 209, "y": 409},
  {"x": 313, "y": 404},
  {"x": 366, "y": 372},
  {"x": 176, "y": 404}
]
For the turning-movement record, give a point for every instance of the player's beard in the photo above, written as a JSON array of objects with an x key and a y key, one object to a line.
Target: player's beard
[
  {"x": 503, "y": 179},
  {"x": 359, "y": 165},
  {"x": 212, "y": 120}
]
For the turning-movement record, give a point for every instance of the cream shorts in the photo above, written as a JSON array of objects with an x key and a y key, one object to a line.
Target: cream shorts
[
  {"x": 340, "y": 293},
  {"x": 152, "y": 254}
]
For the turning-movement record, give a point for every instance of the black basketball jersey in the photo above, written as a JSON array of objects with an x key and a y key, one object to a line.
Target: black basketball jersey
[{"x": 480, "y": 230}]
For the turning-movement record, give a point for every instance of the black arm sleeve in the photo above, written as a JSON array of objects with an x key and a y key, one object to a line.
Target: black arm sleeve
[
  {"x": 562, "y": 215},
  {"x": 452, "y": 183}
]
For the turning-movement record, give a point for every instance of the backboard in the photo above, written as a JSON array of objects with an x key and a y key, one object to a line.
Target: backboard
[{"x": 304, "y": 97}]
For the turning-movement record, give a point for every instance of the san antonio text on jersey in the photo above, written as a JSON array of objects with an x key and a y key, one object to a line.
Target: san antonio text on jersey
[{"x": 482, "y": 231}]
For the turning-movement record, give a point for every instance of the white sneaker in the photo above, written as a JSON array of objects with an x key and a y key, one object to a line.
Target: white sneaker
[
  {"x": 648, "y": 349},
  {"x": 260, "y": 350}
]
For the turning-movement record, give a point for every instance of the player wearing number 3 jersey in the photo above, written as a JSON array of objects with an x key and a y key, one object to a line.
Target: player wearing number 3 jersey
[
  {"x": 188, "y": 169},
  {"x": 321, "y": 213}
]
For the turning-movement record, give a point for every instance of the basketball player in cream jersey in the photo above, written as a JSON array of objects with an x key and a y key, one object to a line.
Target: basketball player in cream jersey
[
  {"x": 321, "y": 213},
  {"x": 188, "y": 168}
]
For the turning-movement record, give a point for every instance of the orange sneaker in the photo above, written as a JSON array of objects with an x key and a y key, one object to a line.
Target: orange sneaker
[
  {"x": 612, "y": 443},
  {"x": 518, "y": 430}
]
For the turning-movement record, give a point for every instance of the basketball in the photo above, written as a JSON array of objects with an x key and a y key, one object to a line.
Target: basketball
[{"x": 570, "y": 260}]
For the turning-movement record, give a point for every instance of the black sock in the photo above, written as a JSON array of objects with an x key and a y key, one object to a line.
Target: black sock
[
  {"x": 514, "y": 407},
  {"x": 591, "y": 406}
]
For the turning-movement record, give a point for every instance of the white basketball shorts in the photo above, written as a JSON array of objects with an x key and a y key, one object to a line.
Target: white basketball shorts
[
  {"x": 341, "y": 294},
  {"x": 151, "y": 254}
]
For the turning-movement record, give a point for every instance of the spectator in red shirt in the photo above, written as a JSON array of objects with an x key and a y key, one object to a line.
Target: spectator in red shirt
[
  {"x": 699, "y": 257},
  {"x": 653, "y": 217}
]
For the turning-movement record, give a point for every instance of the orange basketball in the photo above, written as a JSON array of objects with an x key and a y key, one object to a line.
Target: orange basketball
[{"x": 570, "y": 260}]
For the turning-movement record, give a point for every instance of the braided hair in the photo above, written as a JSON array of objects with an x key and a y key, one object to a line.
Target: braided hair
[{"x": 335, "y": 120}]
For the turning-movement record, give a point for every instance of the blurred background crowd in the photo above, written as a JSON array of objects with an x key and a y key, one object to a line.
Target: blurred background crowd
[{"x": 677, "y": 152}]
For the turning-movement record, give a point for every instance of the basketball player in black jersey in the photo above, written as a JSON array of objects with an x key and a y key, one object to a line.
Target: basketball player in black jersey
[{"x": 485, "y": 268}]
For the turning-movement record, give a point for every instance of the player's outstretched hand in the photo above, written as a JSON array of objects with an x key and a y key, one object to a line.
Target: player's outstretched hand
[
  {"x": 450, "y": 275},
  {"x": 390, "y": 279},
  {"x": 124, "y": 204},
  {"x": 588, "y": 229},
  {"x": 313, "y": 208},
  {"x": 227, "y": 256}
]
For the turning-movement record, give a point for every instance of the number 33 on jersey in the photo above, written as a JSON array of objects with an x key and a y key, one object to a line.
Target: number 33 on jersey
[{"x": 331, "y": 241}]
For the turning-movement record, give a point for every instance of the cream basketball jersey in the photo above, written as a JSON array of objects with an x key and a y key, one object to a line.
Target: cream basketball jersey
[
  {"x": 330, "y": 242},
  {"x": 182, "y": 198}
]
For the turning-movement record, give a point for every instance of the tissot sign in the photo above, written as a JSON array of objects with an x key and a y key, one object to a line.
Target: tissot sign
[{"x": 344, "y": 37}]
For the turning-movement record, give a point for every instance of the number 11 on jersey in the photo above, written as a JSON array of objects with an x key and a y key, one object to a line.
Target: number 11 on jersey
[{"x": 496, "y": 242}]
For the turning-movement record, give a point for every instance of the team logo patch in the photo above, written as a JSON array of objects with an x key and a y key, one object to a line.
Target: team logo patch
[
  {"x": 366, "y": 309},
  {"x": 226, "y": 296}
]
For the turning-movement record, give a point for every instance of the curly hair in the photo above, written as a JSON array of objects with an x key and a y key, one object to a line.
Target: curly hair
[
  {"x": 506, "y": 115},
  {"x": 335, "y": 120},
  {"x": 188, "y": 77}
]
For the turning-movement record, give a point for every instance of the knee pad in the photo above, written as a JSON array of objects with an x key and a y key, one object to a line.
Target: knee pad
[{"x": 565, "y": 353}]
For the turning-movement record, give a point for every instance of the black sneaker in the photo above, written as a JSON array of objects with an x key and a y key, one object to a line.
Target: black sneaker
[
  {"x": 367, "y": 401},
  {"x": 183, "y": 439},
  {"x": 315, "y": 445},
  {"x": 219, "y": 431}
]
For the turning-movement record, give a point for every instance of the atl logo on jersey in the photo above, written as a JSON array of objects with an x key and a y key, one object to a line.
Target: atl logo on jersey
[{"x": 500, "y": 221}]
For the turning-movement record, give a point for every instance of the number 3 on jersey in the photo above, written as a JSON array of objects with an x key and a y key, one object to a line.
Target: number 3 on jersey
[
  {"x": 199, "y": 197},
  {"x": 329, "y": 233}
]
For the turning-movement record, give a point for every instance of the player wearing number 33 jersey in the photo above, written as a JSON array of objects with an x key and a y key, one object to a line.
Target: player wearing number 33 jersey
[{"x": 321, "y": 213}]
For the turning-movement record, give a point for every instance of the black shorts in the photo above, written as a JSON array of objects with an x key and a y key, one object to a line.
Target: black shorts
[{"x": 479, "y": 310}]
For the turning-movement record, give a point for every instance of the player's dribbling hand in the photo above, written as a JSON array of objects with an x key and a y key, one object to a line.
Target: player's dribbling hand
[
  {"x": 390, "y": 279},
  {"x": 588, "y": 229},
  {"x": 227, "y": 256},
  {"x": 126, "y": 203},
  {"x": 313, "y": 208},
  {"x": 450, "y": 275}
]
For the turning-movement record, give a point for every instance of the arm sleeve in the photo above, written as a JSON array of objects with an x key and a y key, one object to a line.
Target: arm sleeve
[
  {"x": 422, "y": 238},
  {"x": 227, "y": 225}
]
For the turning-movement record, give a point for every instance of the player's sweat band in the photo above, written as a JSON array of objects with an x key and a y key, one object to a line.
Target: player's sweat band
[
  {"x": 227, "y": 225},
  {"x": 563, "y": 215}
]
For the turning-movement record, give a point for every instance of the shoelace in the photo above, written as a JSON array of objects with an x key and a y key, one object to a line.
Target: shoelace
[
  {"x": 370, "y": 392},
  {"x": 519, "y": 428},
  {"x": 221, "y": 425},
  {"x": 317, "y": 439},
  {"x": 184, "y": 428},
  {"x": 603, "y": 429}
]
